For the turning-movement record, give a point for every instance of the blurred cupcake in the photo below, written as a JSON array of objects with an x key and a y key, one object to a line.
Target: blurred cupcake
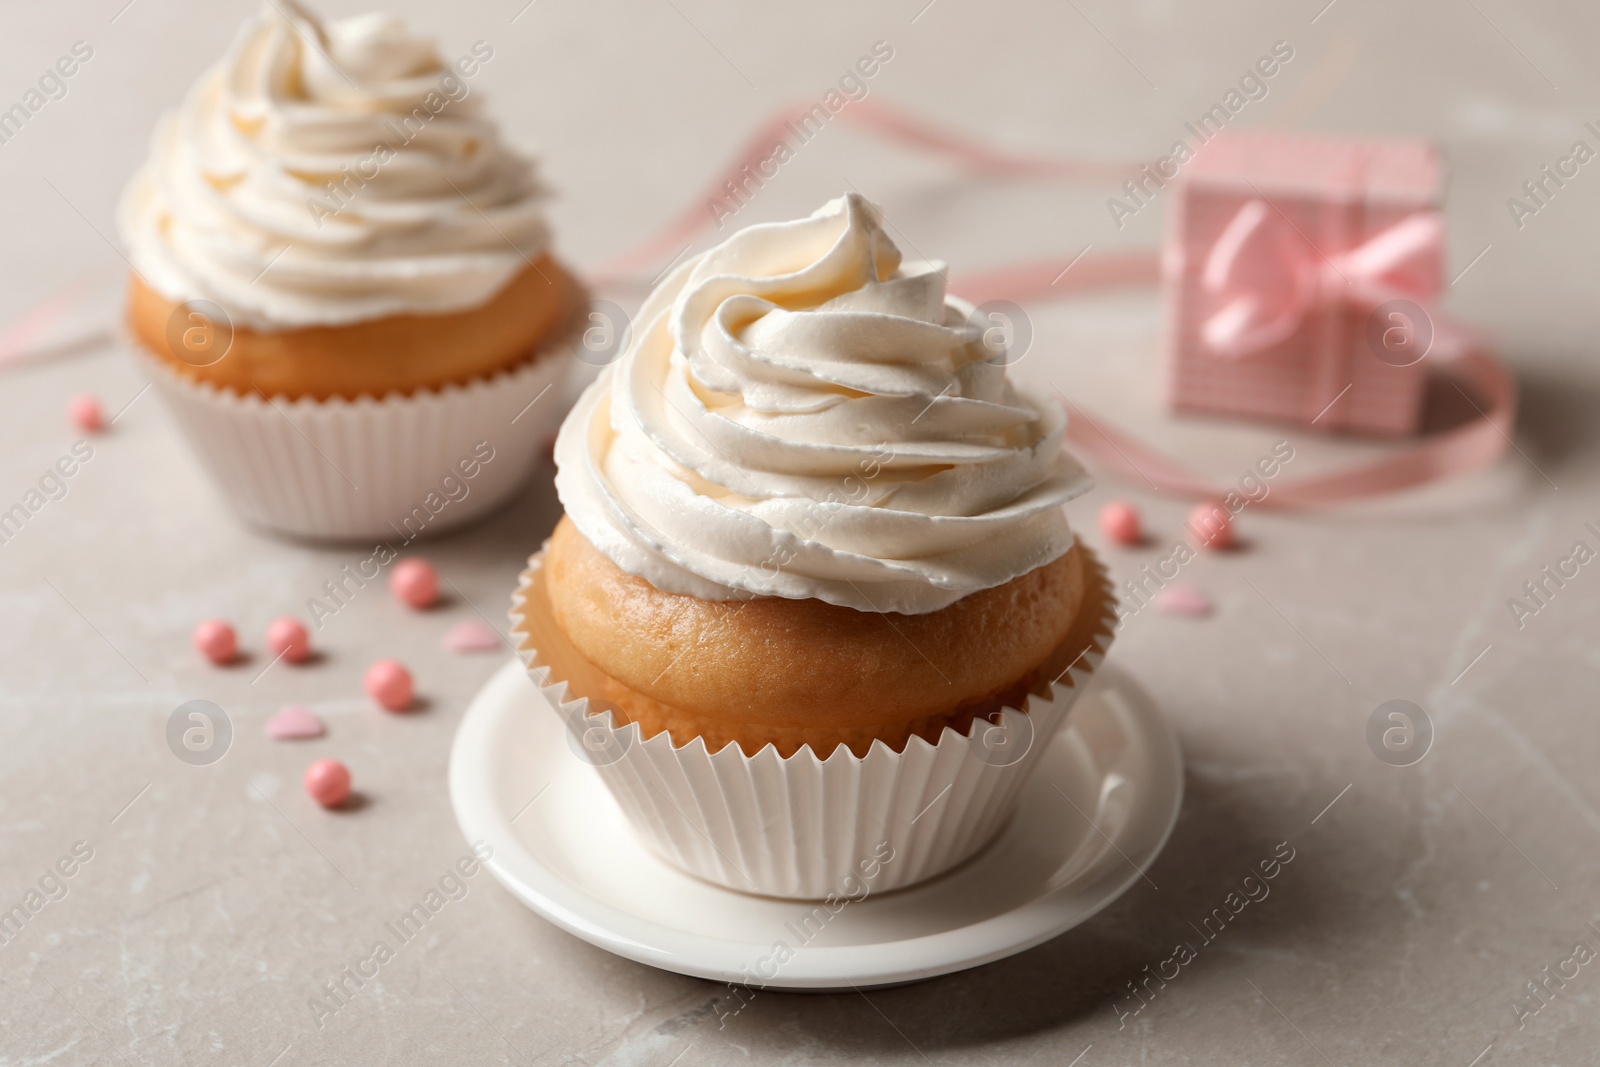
[
  {"x": 814, "y": 574},
  {"x": 342, "y": 280}
]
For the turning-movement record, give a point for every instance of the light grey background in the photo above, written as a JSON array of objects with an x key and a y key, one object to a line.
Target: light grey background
[{"x": 1418, "y": 905}]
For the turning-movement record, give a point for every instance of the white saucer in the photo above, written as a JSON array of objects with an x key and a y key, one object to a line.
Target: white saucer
[{"x": 562, "y": 847}]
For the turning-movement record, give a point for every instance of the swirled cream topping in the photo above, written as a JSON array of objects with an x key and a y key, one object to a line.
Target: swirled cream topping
[
  {"x": 800, "y": 414},
  {"x": 330, "y": 173}
]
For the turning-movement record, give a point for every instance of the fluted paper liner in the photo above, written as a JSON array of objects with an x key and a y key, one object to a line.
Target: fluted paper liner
[
  {"x": 370, "y": 468},
  {"x": 803, "y": 827}
]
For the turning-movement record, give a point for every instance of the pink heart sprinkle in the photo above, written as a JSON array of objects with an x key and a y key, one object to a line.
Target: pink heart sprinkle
[
  {"x": 1184, "y": 599},
  {"x": 472, "y": 636},
  {"x": 295, "y": 722}
]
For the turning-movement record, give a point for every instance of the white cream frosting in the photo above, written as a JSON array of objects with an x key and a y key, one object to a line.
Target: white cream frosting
[
  {"x": 430, "y": 212},
  {"x": 800, "y": 414}
]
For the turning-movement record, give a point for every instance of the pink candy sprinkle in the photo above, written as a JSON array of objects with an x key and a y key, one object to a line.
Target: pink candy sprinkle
[
  {"x": 85, "y": 412},
  {"x": 390, "y": 685},
  {"x": 295, "y": 722},
  {"x": 1184, "y": 599},
  {"x": 328, "y": 782},
  {"x": 415, "y": 582},
  {"x": 1119, "y": 520},
  {"x": 216, "y": 641},
  {"x": 286, "y": 637},
  {"x": 472, "y": 636},
  {"x": 1212, "y": 525}
]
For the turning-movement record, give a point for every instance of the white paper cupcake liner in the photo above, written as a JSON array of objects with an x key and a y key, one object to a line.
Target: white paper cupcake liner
[
  {"x": 803, "y": 827},
  {"x": 370, "y": 468}
]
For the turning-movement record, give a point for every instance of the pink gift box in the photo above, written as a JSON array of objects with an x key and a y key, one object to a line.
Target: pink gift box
[{"x": 1300, "y": 273}]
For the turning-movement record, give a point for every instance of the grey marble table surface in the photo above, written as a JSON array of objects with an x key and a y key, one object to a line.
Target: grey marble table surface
[{"x": 1423, "y": 900}]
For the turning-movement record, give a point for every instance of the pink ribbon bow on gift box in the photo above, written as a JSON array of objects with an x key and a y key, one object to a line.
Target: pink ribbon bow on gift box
[{"x": 1267, "y": 276}]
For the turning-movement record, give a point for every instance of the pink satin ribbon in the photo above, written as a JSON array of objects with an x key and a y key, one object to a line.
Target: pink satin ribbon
[
  {"x": 874, "y": 119},
  {"x": 38, "y": 332},
  {"x": 1265, "y": 276}
]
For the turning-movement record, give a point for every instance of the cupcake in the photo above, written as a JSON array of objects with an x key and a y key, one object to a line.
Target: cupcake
[
  {"x": 342, "y": 280},
  {"x": 814, "y": 602}
]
